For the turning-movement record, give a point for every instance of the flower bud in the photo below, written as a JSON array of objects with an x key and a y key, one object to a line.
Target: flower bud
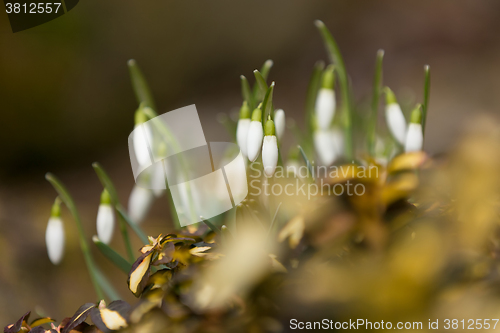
[
  {"x": 54, "y": 235},
  {"x": 242, "y": 129},
  {"x": 279, "y": 123},
  {"x": 105, "y": 219},
  {"x": 324, "y": 144},
  {"x": 325, "y": 101},
  {"x": 270, "y": 149},
  {"x": 394, "y": 117},
  {"x": 141, "y": 136},
  {"x": 415, "y": 136},
  {"x": 139, "y": 203},
  {"x": 255, "y": 135}
]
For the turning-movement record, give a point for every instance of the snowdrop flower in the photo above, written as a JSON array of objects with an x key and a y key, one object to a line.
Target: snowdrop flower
[
  {"x": 141, "y": 136},
  {"x": 54, "y": 235},
  {"x": 105, "y": 219},
  {"x": 415, "y": 136},
  {"x": 158, "y": 175},
  {"x": 270, "y": 148},
  {"x": 337, "y": 141},
  {"x": 325, "y": 101},
  {"x": 255, "y": 135},
  {"x": 242, "y": 129},
  {"x": 394, "y": 117},
  {"x": 279, "y": 123},
  {"x": 324, "y": 144},
  {"x": 139, "y": 202}
]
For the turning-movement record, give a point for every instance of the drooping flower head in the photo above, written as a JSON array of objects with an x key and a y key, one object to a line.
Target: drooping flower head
[
  {"x": 54, "y": 234},
  {"x": 242, "y": 129},
  {"x": 270, "y": 148},
  {"x": 415, "y": 136},
  {"x": 255, "y": 135},
  {"x": 325, "y": 101},
  {"x": 105, "y": 219},
  {"x": 394, "y": 117}
]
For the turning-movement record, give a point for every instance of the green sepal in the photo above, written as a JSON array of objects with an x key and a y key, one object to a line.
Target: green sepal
[
  {"x": 56, "y": 208},
  {"x": 269, "y": 128},
  {"x": 390, "y": 98},
  {"x": 245, "y": 111},
  {"x": 328, "y": 79},
  {"x": 140, "y": 117},
  {"x": 257, "y": 115},
  {"x": 105, "y": 198},
  {"x": 416, "y": 115}
]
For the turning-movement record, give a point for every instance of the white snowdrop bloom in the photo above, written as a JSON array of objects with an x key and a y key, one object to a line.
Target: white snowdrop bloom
[
  {"x": 270, "y": 149},
  {"x": 54, "y": 235},
  {"x": 139, "y": 203},
  {"x": 338, "y": 141},
  {"x": 325, "y": 107},
  {"x": 105, "y": 219},
  {"x": 142, "y": 134},
  {"x": 394, "y": 117},
  {"x": 255, "y": 136},
  {"x": 415, "y": 136},
  {"x": 325, "y": 100},
  {"x": 279, "y": 123},
  {"x": 158, "y": 179},
  {"x": 105, "y": 223},
  {"x": 242, "y": 129},
  {"x": 323, "y": 142}
]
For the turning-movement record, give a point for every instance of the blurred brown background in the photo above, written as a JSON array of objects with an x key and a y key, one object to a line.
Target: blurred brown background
[{"x": 67, "y": 101}]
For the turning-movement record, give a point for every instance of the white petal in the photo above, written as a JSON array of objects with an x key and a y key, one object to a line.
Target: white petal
[
  {"x": 396, "y": 122},
  {"x": 141, "y": 144},
  {"x": 279, "y": 123},
  {"x": 338, "y": 141},
  {"x": 105, "y": 223},
  {"x": 254, "y": 140},
  {"x": 270, "y": 155},
  {"x": 325, "y": 107},
  {"x": 158, "y": 179},
  {"x": 54, "y": 239},
  {"x": 242, "y": 134},
  {"x": 415, "y": 138},
  {"x": 139, "y": 202},
  {"x": 323, "y": 142}
]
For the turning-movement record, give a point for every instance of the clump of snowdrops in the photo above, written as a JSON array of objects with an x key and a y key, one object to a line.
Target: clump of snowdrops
[{"x": 420, "y": 243}]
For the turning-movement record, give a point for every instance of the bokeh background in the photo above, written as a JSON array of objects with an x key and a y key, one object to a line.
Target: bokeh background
[{"x": 66, "y": 99}]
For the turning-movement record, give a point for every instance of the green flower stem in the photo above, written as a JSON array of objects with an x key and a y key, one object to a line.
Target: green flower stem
[
  {"x": 427, "y": 88},
  {"x": 308, "y": 163},
  {"x": 109, "y": 186},
  {"x": 140, "y": 85},
  {"x": 97, "y": 278},
  {"x": 336, "y": 59},
  {"x": 107, "y": 286},
  {"x": 123, "y": 213},
  {"x": 311, "y": 95},
  {"x": 211, "y": 226},
  {"x": 377, "y": 86},
  {"x": 271, "y": 227},
  {"x": 112, "y": 255}
]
